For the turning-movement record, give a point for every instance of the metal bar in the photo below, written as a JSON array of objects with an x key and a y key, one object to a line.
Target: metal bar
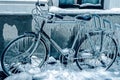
[
  {"x": 52, "y": 42},
  {"x": 65, "y": 21},
  {"x": 56, "y": 46},
  {"x": 75, "y": 40},
  {"x": 91, "y": 42}
]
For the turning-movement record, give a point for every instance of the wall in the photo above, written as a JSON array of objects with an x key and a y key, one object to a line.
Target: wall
[
  {"x": 15, "y": 19},
  {"x": 109, "y": 4},
  {"x": 13, "y": 25}
]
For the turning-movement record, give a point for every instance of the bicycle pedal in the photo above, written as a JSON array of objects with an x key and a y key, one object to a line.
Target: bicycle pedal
[{"x": 52, "y": 63}]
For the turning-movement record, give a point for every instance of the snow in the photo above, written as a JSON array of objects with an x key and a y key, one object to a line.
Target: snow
[
  {"x": 21, "y": 76},
  {"x": 71, "y": 72},
  {"x": 89, "y": 4},
  {"x": 25, "y": 7},
  {"x": 115, "y": 9},
  {"x": 10, "y": 32},
  {"x": 55, "y": 9},
  {"x": 20, "y": 0}
]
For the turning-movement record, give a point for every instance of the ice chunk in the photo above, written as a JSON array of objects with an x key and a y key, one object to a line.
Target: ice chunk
[
  {"x": 51, "y": 60},
  {"x": 0, "y": 67}
]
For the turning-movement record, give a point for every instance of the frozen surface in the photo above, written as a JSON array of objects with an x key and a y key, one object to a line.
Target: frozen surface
[
  {"x": 115, "y": 9},
  {"x": 0, "y": 67},
  {"x": 59, "y": 72},
  {"x": 55, "y": 9},
  {"x": 25, "y": 8}
]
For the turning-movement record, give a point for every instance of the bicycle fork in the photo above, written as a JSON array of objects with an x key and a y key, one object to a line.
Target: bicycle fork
[{"x": 36, "y": 42}]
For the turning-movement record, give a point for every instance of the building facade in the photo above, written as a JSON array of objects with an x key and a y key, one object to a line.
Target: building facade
[{"x": 15, "y": 19}]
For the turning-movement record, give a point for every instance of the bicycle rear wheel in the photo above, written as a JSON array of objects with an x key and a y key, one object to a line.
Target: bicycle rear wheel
[
  {"x": 15, "y": 56},
  {"x": 96, "y": 50}
]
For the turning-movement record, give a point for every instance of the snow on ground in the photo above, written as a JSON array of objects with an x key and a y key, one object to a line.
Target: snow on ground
[{"x": 71, "y": 72}]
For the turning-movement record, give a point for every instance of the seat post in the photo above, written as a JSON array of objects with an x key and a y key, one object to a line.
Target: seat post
[{"x": 42, "y": 25}]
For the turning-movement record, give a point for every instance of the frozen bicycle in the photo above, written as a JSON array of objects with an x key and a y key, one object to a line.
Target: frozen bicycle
[{"x": 95, "y": 49}]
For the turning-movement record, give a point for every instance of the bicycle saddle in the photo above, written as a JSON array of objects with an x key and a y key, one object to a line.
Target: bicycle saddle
[{"x": 85, "y": 17}]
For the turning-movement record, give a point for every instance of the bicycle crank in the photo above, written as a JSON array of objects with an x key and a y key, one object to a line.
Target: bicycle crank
[{"x": 67, "y": 56}]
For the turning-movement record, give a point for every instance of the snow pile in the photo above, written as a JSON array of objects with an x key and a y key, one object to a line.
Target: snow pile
[
  {"x": 10, "y": 32},
  {"x": 75, "y": 75},
  {"x": 57, "y": 10},
  {"x": 21, "y": 76},
  {"x": 115, "y": 9},
  {"x": 58, "y": 72}
]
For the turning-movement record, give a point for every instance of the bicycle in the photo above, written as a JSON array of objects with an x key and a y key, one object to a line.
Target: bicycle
[{"x": 95, "y": 49}]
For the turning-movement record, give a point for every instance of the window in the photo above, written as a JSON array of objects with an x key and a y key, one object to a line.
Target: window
[
  {"x": 66, "y": 3},
  {"x": 91, "y": 4},
  {"x": 91, "y": 1},
  {"x": 82, "y": 4}
]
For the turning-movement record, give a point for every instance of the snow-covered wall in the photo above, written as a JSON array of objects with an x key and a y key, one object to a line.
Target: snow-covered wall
[
  {"x": 25, "y": 6},
  {"x": 13, "y": 25},
  {"x": 16, "y": 7}
]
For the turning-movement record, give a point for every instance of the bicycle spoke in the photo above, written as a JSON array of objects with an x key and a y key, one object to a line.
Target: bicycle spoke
[
  {"x": 36, "y": 61},
  {"x": 91, "y": 42},
  {"x": 102, "y": 62},
  {"x": 101, "y": 51},
  {"x": 101, "y": 41},
  {"x": 13, "y": 68},
  {"x": 18, "y": 51}
]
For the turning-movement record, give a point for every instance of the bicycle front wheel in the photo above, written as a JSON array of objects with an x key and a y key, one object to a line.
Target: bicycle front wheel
[
  {"x": 96, "y": 50},
  {"x": 16, "y": 56}
]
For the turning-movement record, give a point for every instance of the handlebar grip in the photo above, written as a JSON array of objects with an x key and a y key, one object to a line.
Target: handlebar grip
[{"x": 59, "y": 16}]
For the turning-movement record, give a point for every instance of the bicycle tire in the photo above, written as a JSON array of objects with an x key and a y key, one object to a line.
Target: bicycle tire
[
  {"x": 18, "y": 47},
  {"x": 106, "y": 52}
]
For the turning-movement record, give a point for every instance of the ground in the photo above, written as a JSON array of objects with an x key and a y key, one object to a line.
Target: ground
[{"x": 71, "y": 72}]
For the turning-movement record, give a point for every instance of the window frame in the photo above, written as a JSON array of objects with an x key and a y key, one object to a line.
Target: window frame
[{"x": 94, "y": 6}]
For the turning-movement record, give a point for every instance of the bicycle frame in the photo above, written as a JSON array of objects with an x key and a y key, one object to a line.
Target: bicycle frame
[
  {"x": 53, "y": 43},
  {"x": 92, "y": 51},
  {"x": 43, "y": 34}
]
